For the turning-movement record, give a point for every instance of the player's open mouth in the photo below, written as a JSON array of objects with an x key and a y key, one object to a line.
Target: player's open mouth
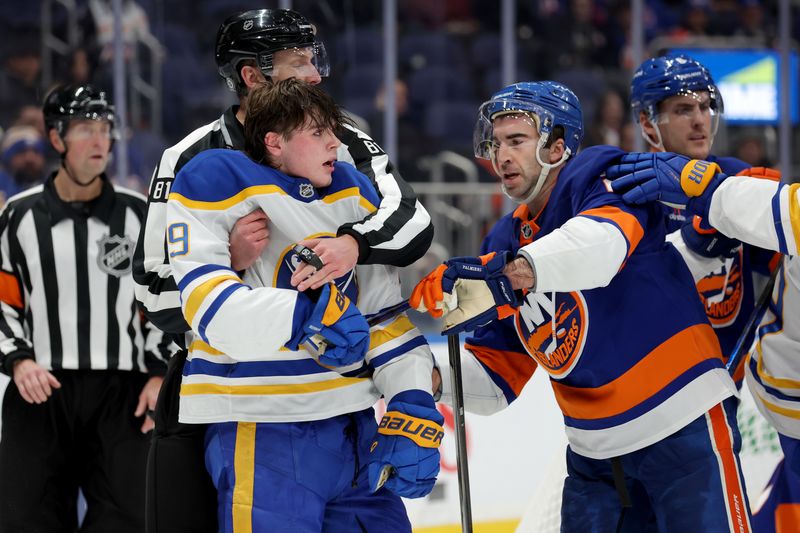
[{"x": 329, "y": 163}]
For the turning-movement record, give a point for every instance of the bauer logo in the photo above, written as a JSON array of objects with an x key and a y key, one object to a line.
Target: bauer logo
[
  {"x": 552, "y": 327},
  {"x": 721, "y": 292}
]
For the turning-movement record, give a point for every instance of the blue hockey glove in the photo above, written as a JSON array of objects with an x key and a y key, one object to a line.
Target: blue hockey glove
[
  {"x": 335, "y": 320},
  {"x": 706, "y": 241},
  {"x": 672, "y": 179},
  {"x": 405, "y": 455},
  {"x": 469, "y": 291}
]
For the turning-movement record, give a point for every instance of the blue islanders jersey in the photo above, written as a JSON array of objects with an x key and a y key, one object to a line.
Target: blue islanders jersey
[
  {"x": 727, "y": 292},
  {"x": 630, "y": 362},
  {"x": 238, "y": 368}
]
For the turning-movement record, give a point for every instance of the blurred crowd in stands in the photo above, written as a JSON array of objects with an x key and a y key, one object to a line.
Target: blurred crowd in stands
[{"x": 449, "y": 55}]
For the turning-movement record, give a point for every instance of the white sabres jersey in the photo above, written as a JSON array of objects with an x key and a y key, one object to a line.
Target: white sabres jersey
[
  {"x": 238, "y": 368},
  {"x": 767, "y": 214},
  {"x": 773, "y": 369}
]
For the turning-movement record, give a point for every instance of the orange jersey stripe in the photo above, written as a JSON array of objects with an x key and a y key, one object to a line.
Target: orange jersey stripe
[
  {"x": 514, "y": 367},
  {"x": 787, "y": 518},
  {"x": 628, "y": 223},
  {"x": 729, "y": 469},
  {"x": 666, "y": 362},
  {"x": 9, "y": 290}
]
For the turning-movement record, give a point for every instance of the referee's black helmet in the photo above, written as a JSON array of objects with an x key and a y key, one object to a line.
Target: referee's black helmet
[{"x": 256, "y": 35}]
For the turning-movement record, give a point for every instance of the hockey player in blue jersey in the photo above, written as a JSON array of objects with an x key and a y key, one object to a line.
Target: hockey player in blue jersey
[
  {"x": 767, "y": 215},
  {"x": 292, "y": 444},
  {"x": 678, "y": 107},
  {"x": 578, "y": 282}
]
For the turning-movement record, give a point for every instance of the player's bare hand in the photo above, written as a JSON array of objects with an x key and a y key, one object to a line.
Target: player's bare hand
[
  {"x": 249, "y": 237},
  {"x": 35, "y": 383},
  {"x": 147, "y": 402},
  {"x": 339, "y": 256}
]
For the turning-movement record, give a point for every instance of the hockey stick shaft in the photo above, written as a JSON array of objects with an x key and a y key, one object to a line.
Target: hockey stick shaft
[
  {"x": 740, "y": 349},
  {"x": 454, "y": 351}
]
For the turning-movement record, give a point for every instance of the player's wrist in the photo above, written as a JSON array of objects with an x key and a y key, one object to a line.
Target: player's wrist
[{"x": 520, "y": 273}]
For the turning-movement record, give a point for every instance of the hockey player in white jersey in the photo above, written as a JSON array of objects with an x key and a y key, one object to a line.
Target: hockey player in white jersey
[
  {"x": 765, "y": 214},
  {"x": 252, "y": 47},
  {"x": 292, "y": 443}
]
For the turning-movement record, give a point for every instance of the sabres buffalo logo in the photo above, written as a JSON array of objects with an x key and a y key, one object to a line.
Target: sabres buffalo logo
[
  {"x": 721, "y": 292},
  {"x": 552, "y": 327},
  {"x": 290, "y": 261},
  {"x": 114, "y": 254}
]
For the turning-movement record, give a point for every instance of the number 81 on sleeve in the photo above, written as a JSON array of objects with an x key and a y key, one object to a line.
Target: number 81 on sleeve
[{"x": 178, "y": 239}]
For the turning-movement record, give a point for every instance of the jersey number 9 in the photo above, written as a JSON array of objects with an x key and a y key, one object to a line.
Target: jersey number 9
[{"x": 178, "y": 238}]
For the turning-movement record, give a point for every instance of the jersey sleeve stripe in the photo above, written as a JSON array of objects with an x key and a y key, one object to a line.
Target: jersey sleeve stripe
[
  {"x": 514, "y": 368},
  {"x": 200, "y": 271},
  {"x": 201, "y": 292},
  {"x": 214, "y": 307},
  {"x": 10, "y": 290},
  {"x": 382, "y": 359},
  {"x": 778, "y": 220},
  {"x": 794, "y": 215},
  {"x": 663, "y": 365},
  {"x": 395, "y": 329},
  {"x": 627, "y": 223}
]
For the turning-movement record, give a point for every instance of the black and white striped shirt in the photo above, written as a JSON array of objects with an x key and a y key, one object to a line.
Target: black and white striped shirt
[
  {"x": 66, "y": 290},
  {"x": 398, "y": 233}
]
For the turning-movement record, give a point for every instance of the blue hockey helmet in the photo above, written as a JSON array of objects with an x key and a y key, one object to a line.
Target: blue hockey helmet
[
  {"x": 659, "y": 78},
  {"x": 549, "y": 104}
]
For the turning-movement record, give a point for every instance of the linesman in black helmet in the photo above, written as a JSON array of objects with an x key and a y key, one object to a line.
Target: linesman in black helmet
[
  {"x": 84, "y": 363},
  {"x": 252, "y": 48}
]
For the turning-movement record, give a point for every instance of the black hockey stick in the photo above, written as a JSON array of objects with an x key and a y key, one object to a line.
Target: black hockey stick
[
  {"x": 454, "y": 351},
  {"x": 739, "y": 349}
]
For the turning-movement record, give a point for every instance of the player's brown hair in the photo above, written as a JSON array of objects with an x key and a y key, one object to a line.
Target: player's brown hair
[{"x": 283, "y": 108}]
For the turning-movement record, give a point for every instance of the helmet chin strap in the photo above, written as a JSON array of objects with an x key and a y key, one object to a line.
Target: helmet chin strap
[
  {"x": 658, "y": 146},
  {"x": 546, "y": 168}
]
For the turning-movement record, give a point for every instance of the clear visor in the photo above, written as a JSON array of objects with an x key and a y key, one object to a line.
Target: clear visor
[
  {"x": 702, "y": 104},
  {"x": 300, "y": 62},
  {"x": 484, "y": 142}
]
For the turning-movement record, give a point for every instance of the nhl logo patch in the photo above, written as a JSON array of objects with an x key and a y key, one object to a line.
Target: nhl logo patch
[
  {"x": 306, "y": 190},
  {"x": 248, "y": 25},
  {"x": 526, "y": 231},
  {"x": 115, "y": 255}
]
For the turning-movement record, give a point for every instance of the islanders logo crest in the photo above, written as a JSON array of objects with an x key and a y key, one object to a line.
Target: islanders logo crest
[
  {"x": 721, "y": 292},
  {"x": 289, "y": 261},
  {"x": 552, "y": 327}
]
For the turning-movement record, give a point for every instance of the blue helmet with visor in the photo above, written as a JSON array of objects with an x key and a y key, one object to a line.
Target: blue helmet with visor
[
  {"x": 549, "y": 105},
  {"x": 662, "y": 77}
]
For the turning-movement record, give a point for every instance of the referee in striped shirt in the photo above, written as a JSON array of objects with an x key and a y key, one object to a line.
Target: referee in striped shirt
[{"x": 85, "y": 365}]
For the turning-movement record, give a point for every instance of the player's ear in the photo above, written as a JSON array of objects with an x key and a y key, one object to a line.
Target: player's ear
[
  {"x": 251, "y": 76},
  {"x": 273, "y": 143},
  {"x": 647, "y": 126},
  {"x": 557, "y": 150}
]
